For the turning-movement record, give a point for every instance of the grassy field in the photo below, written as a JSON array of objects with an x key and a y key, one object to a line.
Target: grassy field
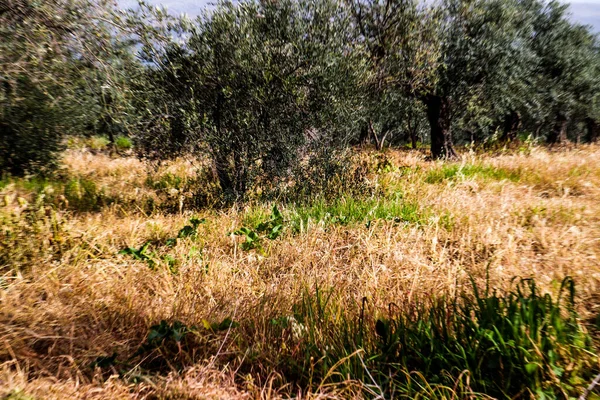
[{"x": 112, "y": 285}]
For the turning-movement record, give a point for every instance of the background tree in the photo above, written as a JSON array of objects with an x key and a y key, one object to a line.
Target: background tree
[
  {"x": 260, "y": 86},
  {"x": 451, "y": 56},
  {"x": 566, "y": 72},
  {"x": 58, "y": 61},
  {"x": 252, "y": 84}
]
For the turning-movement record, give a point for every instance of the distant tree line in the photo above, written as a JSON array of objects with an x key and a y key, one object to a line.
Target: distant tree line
[{"x": 265, "y": 87}]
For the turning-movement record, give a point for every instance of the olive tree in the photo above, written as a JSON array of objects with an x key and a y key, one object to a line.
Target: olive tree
[
  {"x": 251, "y": 85},
  {"x": 58, "y": 60},
  {"x": 450, "y": 55},
  {"x": 566, "y": 74}
]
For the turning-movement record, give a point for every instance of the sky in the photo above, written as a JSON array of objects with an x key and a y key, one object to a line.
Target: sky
[
  {"x": 583, "y": 11},
  {"x": 587, "y": 12}
]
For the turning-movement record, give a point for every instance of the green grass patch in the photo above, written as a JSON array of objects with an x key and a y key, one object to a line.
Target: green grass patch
[
  {"x": 84, "y": 195},
  {"x": 123, "y": 143},
  {"x": 558, "y": 215},
  {"x": 254, "y": 215},
  {"x": 32, "y": 185},
  {"x": 75, "y": 193},
  {"x": 518, "y": 344},
  {"x": 166, "y": 182},
  {"x": 456, "y": 171},
  {"x": 351, "y": 211},
  {"x": 17, "y": 394}
]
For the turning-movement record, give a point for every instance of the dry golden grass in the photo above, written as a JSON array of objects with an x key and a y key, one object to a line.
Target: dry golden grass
[{"x": 74, "y": 298}]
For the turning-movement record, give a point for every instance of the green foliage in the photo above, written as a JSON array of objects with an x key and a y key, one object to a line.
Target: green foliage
[
  {"x": 273, "y": 227},
  {"x": 174, "y": 344},
  {"x": 166, "y": 181},
  {"x": 171, "y": 263},
  {"x": 152, "y": 259},
  {"x": 165, "y": 333},
  {"x": 167, "y": 345},
  {"x": 327, "y": 174},
  {"x": 29, "y": 138},
  {"x": 188, "y": 231},
  {"x": 76, "y": 193},
  {"x": 97, "y": 143},
  {"x": 520, "y": 343},
  {"x": 273, "y": 92},
  {"x": 141, "y": 254},
  {"x": 191, "y": 230},
  {"x": 252, "y": 239},
  {"x": 567, "y": 81},
  {"x": 269, "y": 229}
]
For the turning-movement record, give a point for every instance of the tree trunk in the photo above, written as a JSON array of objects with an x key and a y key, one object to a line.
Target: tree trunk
[
  {"x": 512, "y": 121},
  {"x": 412, "y": 130},
  {"x": 177, "y": 132},
  {"x": 240, "y": 157},
  {"x": 538, "y": 130},
  {"x": 592, "y": 130},
  {"x": 363, "y": 139},
  {"x": 438, "y": 114},
  {"x": 559, "y": 131},
  {"x": 379, "y": 143},
  {"x": 413, "y": 138},
  {"x": 107, "y": 128},
  {"x": 221, "y": 161},
  {"x": 222, "y": 169},
  {"x": 7, "y": 146},
  {"x": 107, "y": 123}
]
